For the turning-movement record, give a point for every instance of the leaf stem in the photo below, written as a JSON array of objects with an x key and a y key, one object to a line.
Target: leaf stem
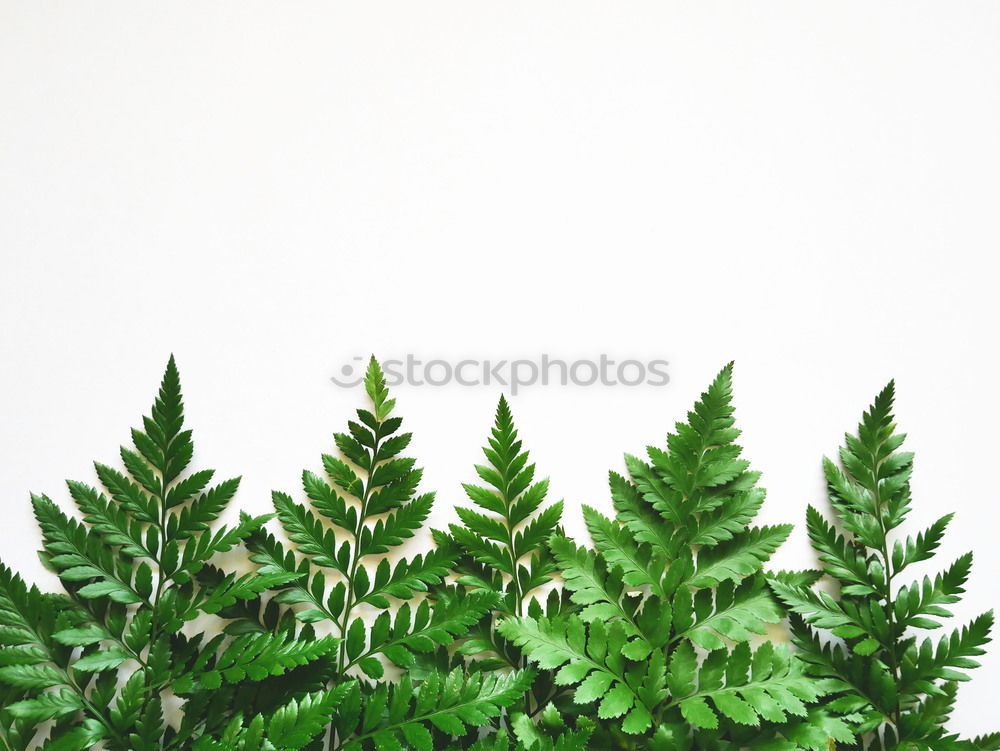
[
  {"x": 342, "y": 625},
  {"x": 890, "y": 610}
]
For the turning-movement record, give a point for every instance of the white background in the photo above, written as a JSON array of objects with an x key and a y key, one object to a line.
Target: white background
[{"x": 270, "y": 189}]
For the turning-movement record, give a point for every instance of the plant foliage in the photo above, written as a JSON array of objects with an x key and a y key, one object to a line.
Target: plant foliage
[
  {"x": 503, "y": 550},
  {"x": 898, "y": 686},
  {"x": 340, "y": 575},
  {"x": 96, "y": 664},
  {"x": 505, "y": 635},
  {"x": 671, "y": 597}
]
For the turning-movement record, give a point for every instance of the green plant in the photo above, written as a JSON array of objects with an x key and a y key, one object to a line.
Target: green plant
[
  {"x": 335, "y": 642},
  {"x": 339, "y": 572},
  {"x": 896, "y": 688},
  {"x": 676, "y": 575},
  {"x": 99, "y": 662},
  {"x": 503, "y": 551},
  {"x": 546, "y": 732}
]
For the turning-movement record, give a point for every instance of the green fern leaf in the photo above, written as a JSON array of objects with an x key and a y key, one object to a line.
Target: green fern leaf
[
  {"x": 448, "y": 705},
  {"x": 98, "y": 661},
  {"x": 679, "y": 569},
  {"x": 891, "y": 687},
  {"x": 502, "y": 542}
]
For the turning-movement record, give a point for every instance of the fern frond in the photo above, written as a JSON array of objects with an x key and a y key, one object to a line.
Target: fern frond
[
  {"x": 253, "y": 657},
  {"x": 402, "y": 716},
  {"x": 734, "y": 612},
  {"x": 892, "y": 688},
  {"x": 590, "y": 658},
  {"x": 679, "y": 569},
  {"x": 103, "y": 655},
  {"x": 742, "y": 685},
  {"x": 337, "y": 566},
  {"x": 510, "y": 527},
  {"x": 295, "y": 725},
  {"x": 502, "y": 542}
]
